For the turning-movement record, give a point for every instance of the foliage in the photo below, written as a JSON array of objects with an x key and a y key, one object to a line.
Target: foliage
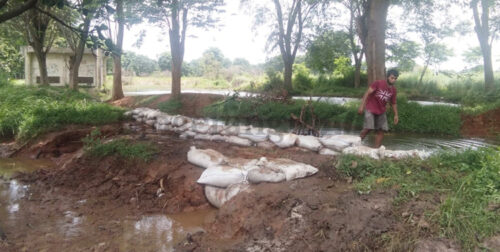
[
  {"x": 165, "y": 61},
  {"x": 468, "y": 180},
  {"x": 404, "y": 54},
  {"x": 26, "y": 112},
  {"x": 139, "y": 64},
  {"x": 171, "y": 106},
  {"x": 302, "y": 81},
  {"x": 325, "y": 48},
  {"x": 11, "y": 60},
  {"x": 125, "y": 148}
]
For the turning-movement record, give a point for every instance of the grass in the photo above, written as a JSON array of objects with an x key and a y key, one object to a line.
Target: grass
[
  {"x": 26, "y": 112},
  {"x": 122, "y": 147},
  {"x": 436, "y": 119},
  {"x": 468, "y": 180},
  {"x": 171, "y": 106}
]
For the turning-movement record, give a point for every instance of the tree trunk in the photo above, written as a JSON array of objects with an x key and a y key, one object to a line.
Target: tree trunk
[
  {"x": 41, "y": 57},
  {"x": 287, "y": 75},
  {"x": 422, "y": 74},
  {"x": 357, "y": 74},
  {"x": 177, "y": 48},
  {"x": 117, "y": 92},
  {"x": 482, "y": 31},
  {"x": 374, "y": 24},
  {"x": 76, "y": 59}
]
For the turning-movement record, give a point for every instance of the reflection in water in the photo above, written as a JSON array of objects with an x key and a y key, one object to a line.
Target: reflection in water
[{"x": 8, "y": 166}]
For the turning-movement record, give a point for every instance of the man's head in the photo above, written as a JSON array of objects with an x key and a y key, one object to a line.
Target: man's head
[{"x": 392, "y": 76}]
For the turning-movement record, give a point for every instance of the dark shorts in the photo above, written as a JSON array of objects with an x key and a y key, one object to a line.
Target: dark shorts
[{"x": 376, "y": 122}]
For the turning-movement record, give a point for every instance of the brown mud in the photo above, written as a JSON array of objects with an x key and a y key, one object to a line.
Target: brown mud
[{"x": 94, "y": 197}]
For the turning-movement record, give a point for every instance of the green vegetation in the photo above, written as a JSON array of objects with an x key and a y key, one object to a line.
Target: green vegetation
[
  {"x": 122, "y": 147},
  {"x": 468, "y": 181},
  {"x": 26, "y": 112},
  {"x": 435, "y": 119},
  {"x": 170, "y": 106}
]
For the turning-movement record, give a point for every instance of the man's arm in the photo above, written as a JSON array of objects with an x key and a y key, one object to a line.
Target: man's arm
[
  {"x": 363, "y": 101},
  {"x": 396, "y": 116}
]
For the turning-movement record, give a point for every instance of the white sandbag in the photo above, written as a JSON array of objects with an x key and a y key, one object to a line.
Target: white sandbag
[
  {"x": 291, "y": 169},
  {"x": 189, "y": 133},
  {"x": 185, "y": 127},
  {"x": 183, "y": 136},
  {"x": 203, "y": 137},
  {"x": 401, "y": 154},
  {"x": 139, "y": 111},
  {"x": 150, "y": 122},
  {"x": 222, "y": 176},
  {"x": 137, "y": 118},
  {"x": 179, "y": 120},
  {"x": 234, "y": 130},
  {"x": 205, "y": 158},
  {"x": 201, "y": 128},
  {"x": 283, "y": 140},
  {"x": 334, "y": 143},
  {"x": 218, "y": 196},
  {"x": 265, "y": 174},
  {"x": 363, "y": 151},
  {"x": 153, "y": 114},
  {"x": 328, "y": 152},
  {"x": 128, "y": 113},
  {"x": 218, "y": 138},
  {"x": 215, "y": 129},
  {"x": 353, "y": 140},
  {"x": 253, "y": 137},
  {"x": 146, "y": 111},
  {"x": 242, "y": 163},
  {"x": 164, "y": 119},
  {"x": 163, "y": 127},
  {"x": 309, "y": 142},
  {"x": 239, "y": 141}
]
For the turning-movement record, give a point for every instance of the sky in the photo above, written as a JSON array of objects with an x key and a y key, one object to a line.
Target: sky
[{"x": 236, "y": 39}]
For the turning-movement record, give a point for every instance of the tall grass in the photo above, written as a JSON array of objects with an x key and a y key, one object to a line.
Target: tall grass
[
  {"x": 436, "y": 119},
  {"x": 467, "y": 180},
  {"x": 26, "y": 112}
]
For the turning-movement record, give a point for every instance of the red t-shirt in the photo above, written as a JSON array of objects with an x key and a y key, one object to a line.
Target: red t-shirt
[{"x": 383, "y": 93}]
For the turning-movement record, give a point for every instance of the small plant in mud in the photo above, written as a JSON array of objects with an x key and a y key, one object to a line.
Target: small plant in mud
[
  {"x": 95, "y": 146},
  {"x": 171, "y": 106},
  {"x": 467, "y": 180}
]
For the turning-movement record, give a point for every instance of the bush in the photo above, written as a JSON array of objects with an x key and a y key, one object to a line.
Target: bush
[{"x": 26, "y": 112}]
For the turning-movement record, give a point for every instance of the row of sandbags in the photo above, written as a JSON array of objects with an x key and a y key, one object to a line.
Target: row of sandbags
[
  {"x": 264, "y": 137},
  {"x": 241, "y": 135},
  {"x": 225, "y": 177}
]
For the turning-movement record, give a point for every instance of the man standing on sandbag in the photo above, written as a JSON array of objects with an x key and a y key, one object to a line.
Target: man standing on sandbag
[{"x": 375, "y": 100}]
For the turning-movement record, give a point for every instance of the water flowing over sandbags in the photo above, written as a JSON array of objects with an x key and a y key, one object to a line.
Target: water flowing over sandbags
[
  {"x": 205, "y": 158},
  {"x": 222, "y": 176},
  {"x": 218, "y": 196},
  {"x": 363, "y": 151}
]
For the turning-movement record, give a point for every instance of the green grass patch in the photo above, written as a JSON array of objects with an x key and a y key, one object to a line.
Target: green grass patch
[
  {"x": 26, "y": 112},
  {"x": 124, "y": 148},
  {"x": 171, "y": 106},
  {"x": 469, "y": 180},
  {"x": 413, "y": 117}
]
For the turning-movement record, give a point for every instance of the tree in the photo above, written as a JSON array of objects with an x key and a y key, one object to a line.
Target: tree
[
  {"x": 11, "y": 40},
  {"x": 212, "y": 61},
  {"x": 487, "y": 23},
  {"x": 40, "y": 33},
  {"x": 404, "y": 54},
  {"x": 473, "y": 56},
  {"x": 354, "y": 7},
  {"x": 325, "y": 48},
  {"x": 176, "y": 16},
  {"x": 434, "y": 53},
  {"x": 12, "y": 8},
  {"x": 139, "y": 64},
  {"x": 165, "y": 61},
  {"x": 288, "y": 23}
]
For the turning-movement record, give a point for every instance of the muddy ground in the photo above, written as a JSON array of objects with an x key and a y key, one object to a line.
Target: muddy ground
[{"x": 319, "y": 213}]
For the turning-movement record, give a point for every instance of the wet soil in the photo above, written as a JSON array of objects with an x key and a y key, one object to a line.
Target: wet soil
[
  {"x": 83, "y": 203},
  {"x": 483, "y": 125}
]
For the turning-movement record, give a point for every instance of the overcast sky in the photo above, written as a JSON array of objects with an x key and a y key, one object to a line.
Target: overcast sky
[{"x": 236, "y": 39}]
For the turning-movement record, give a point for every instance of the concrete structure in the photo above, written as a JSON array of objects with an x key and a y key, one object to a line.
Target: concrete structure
[{"x": 92, "y": 71}]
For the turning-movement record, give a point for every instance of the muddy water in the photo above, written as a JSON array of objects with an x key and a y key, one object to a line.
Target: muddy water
[{"x": 33, "y": 221}]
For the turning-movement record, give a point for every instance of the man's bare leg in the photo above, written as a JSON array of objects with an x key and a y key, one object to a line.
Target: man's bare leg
[
  {"x": 378, "y": 138},
  {"x": 363, "y": 133}
]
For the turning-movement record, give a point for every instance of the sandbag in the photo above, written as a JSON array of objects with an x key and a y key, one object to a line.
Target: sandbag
[
  {"x": 153, "y": 114},
  {"x": 265, "y": 174},
  {"x": 215, "y": 129},
  {"x": 179, "y": 120},
  {"x": 401, "y": 154},
  {"x": 283, "y": 140},
  {"x": 203, "y": 137},
  {"x": 239, "y": 141},
  {"x": 290, "y": 168},
  {"x": 309, "y": 142},
  {"x": 328, "y": 152},
  {"x": 265, "y": 145},
  {"x": 218, "y": 196},
  {"x": 205, "y": 158},
  {"x": 150, "y": 122},
  {"x": 201, "y": 128},
  {"x": 164, "y": 119},
  {"x": 253, "y": 137},
  {"x": 163, "y": 127},
  {"x": 364, "y": 151},
  {"x": 218, "y": 138},
  {"x": 242, "y": 163},
  {"x": 222, "y": 176},
  {"x": 234, "y": 130}
]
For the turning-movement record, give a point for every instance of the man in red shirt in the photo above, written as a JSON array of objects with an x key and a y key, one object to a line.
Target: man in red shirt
[{"x": 374, "y": 100}]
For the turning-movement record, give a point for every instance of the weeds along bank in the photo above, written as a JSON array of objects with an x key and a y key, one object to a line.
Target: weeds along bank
[
  {"x": 26, "y": 112},
  {"x": 435, "y": 119},
  {"x": 466, "y": 182}
]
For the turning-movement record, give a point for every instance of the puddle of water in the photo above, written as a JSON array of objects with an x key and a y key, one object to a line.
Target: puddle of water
[
  {"x": 9, "y": 166},
  {"x": 162, "y": 232}
]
